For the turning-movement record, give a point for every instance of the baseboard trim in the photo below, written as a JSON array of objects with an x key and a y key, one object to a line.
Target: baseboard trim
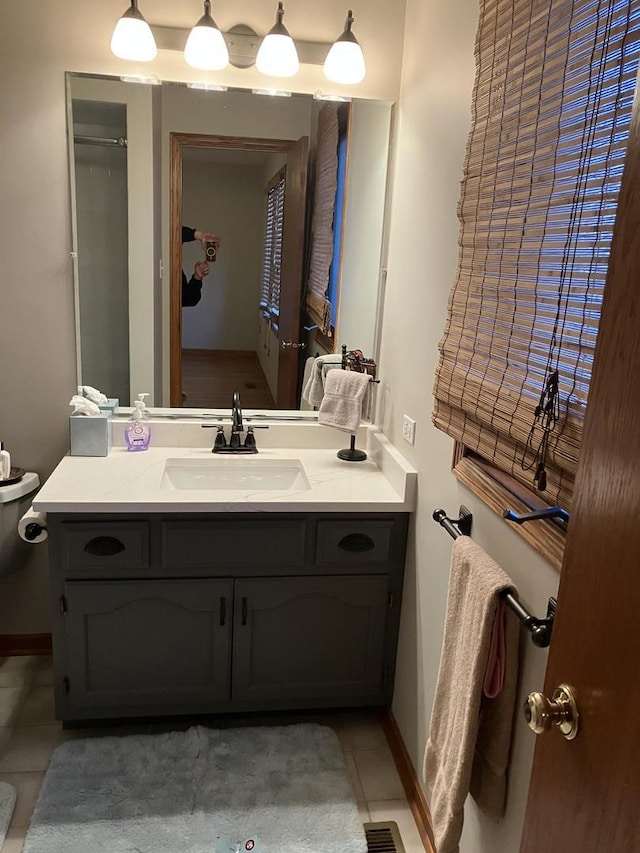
[
  {"x": 412, "y": 788},
  {"x": 24, "y": 644}
]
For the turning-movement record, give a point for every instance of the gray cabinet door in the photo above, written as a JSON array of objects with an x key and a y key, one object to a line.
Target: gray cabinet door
[
  {"x": 147, "y": 646},
  {"x": 307, "y": 641}
]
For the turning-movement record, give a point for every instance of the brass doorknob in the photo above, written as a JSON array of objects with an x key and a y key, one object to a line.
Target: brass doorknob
[{"x": 561, "y": 710}]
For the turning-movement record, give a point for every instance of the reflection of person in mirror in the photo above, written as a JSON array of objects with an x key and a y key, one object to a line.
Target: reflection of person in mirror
[{"x": 192, "y": 289}]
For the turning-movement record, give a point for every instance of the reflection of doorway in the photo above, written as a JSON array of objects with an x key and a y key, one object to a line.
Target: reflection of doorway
[{"x": 224, "y": 180}]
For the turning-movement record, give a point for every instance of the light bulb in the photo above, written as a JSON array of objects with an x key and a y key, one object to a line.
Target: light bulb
[
  {"x": 277, "y": 56},
  {"x": 206, "y": 47},
  {"x": 345, "y": 60},
  {"x": 132, "y": 37}
]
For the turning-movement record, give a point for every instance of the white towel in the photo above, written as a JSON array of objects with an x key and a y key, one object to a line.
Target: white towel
[
  {"x": 341, "y": 405},
  {"x": 314, "y": 389},
  {"x": 309, "y": 364},
  {"x": 470, "y": 735}
]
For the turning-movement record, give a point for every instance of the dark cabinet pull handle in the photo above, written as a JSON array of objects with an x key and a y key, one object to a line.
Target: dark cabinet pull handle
[
  {"x": 244, "y": 610},
  {"x": 223, "y": 610},
  {"x": 356, "y": 543},
  {"x": 104, "y": 546}
]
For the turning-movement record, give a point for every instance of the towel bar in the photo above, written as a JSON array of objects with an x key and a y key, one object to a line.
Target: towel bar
[{"x": 540, "y": 628}]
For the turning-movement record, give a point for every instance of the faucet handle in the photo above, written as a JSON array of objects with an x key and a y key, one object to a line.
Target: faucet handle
[
  {"x": 220, "y": 441},
  {"x": 250, "y": 440}
]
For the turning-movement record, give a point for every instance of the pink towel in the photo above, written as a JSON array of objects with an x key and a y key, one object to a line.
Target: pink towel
[{"x": 497, "y": 661}]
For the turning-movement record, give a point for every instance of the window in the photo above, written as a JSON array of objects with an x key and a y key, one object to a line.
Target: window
[
  {"x": 272, "y": 258},
  {"x": 326, "y": 224},
  {"x": 551, "y": 111}
]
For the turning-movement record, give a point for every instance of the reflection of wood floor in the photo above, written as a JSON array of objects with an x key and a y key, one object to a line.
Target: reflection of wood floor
[{"x": 209, "y": 378}]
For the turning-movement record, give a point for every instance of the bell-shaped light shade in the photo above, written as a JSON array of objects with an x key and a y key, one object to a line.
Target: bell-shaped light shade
[
  {"x": 277, "y": 55},
  {"x": 132, "y": 38},
  {"x": 206, "y": 47},
  {"x": 345, "y": 60}
]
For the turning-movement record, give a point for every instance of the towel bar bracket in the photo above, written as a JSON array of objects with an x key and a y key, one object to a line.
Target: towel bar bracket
[
  {"x": 455, "y": 527},
  {"x": 540, "y": 628}
]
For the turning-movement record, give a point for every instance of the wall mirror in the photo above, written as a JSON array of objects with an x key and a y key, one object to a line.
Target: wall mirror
[{"x": 148, "y": 160}]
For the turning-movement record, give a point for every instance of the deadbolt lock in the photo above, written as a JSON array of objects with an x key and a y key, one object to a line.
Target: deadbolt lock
[{"x": 543, "y": 714}]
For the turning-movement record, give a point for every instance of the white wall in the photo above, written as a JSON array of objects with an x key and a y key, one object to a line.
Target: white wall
[
  {"x": 365, "y": 191},
  {"x": 434, "y": 118},
  {"x": 37, "y": 347},
  {"x": 230, "y": 201}
]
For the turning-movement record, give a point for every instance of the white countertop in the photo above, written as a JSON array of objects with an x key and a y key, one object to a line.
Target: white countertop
[{"x": 135, "y": 482}]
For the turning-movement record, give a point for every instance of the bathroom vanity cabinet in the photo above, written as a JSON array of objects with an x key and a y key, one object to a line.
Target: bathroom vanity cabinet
[{"x": 168, "y": 614}]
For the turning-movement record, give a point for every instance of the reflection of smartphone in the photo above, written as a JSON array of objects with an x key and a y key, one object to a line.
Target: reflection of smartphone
[{"x": 210, "y": 251}]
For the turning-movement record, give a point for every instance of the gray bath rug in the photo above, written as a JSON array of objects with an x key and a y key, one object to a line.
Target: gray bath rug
[
  {"x": 179, "y": 792},
  {"x": 7, "y": 805}
]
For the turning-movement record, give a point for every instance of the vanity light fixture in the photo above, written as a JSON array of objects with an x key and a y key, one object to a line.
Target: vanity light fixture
[
  {"x": 345, "y": 60},
  {"x": 277, "y": 55},
  {"x": 132, "y": 37},
  {"x": 206, "y": 48}
]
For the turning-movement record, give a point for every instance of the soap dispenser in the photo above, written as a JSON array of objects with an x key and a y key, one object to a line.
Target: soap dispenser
[{"x": 137, "y": 433}]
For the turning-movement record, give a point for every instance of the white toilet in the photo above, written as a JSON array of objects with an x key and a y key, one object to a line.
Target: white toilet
[{"x": 15, "y": 500}]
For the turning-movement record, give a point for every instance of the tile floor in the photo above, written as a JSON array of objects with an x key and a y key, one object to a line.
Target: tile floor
[{"x": 29, "y": 733}]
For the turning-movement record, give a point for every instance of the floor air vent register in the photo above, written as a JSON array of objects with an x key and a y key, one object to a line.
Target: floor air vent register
[{"x": 383, "y": 837}]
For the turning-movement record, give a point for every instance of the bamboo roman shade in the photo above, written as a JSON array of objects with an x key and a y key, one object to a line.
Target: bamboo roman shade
[
  {"x": 272, "y": 259},
  {"x": 555, "y": 82},
  {"x": 324, "y": 199}
]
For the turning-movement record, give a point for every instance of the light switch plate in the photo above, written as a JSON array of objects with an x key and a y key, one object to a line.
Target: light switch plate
[{"x": 408, "y": 429}]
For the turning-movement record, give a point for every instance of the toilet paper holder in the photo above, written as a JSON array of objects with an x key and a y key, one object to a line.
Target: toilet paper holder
[{"x": 33, "y": 530}]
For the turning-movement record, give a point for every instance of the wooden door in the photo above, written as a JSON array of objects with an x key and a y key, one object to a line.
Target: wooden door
[
  {"x": 585, "y": 794},
  {"x": 289, "y": 326}
]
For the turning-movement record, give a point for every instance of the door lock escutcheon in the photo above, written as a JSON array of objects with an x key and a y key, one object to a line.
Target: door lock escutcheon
[{"x": 543, "y": 714}]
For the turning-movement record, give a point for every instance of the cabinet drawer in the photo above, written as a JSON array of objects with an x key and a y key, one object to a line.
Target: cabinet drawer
[
  {"x": 354, "y": 541},
  {"x": 233, "y": 544},
  {"x": 108, "y": 545}
]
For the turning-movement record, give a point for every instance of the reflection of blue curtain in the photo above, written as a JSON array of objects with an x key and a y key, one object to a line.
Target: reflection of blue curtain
[{"x": 332, "y": 293}]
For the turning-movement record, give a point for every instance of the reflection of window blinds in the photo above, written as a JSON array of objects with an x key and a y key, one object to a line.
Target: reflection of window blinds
[
  {"x": 272, "y": 258},
  {"x": 551, "y": 112},
  {"x": 318, "y": 305}
]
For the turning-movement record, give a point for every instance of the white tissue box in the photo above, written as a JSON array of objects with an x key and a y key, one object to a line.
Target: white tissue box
[
  {"x": 111, "y": 406},
  {"x": 90, "y": 435}
]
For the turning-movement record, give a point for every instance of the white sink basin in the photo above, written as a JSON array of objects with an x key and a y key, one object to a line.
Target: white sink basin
[{"x": 239, "y": 473}]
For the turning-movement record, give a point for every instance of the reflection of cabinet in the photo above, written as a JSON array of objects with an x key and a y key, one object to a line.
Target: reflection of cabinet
[{"x": 181, "y": 614}]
